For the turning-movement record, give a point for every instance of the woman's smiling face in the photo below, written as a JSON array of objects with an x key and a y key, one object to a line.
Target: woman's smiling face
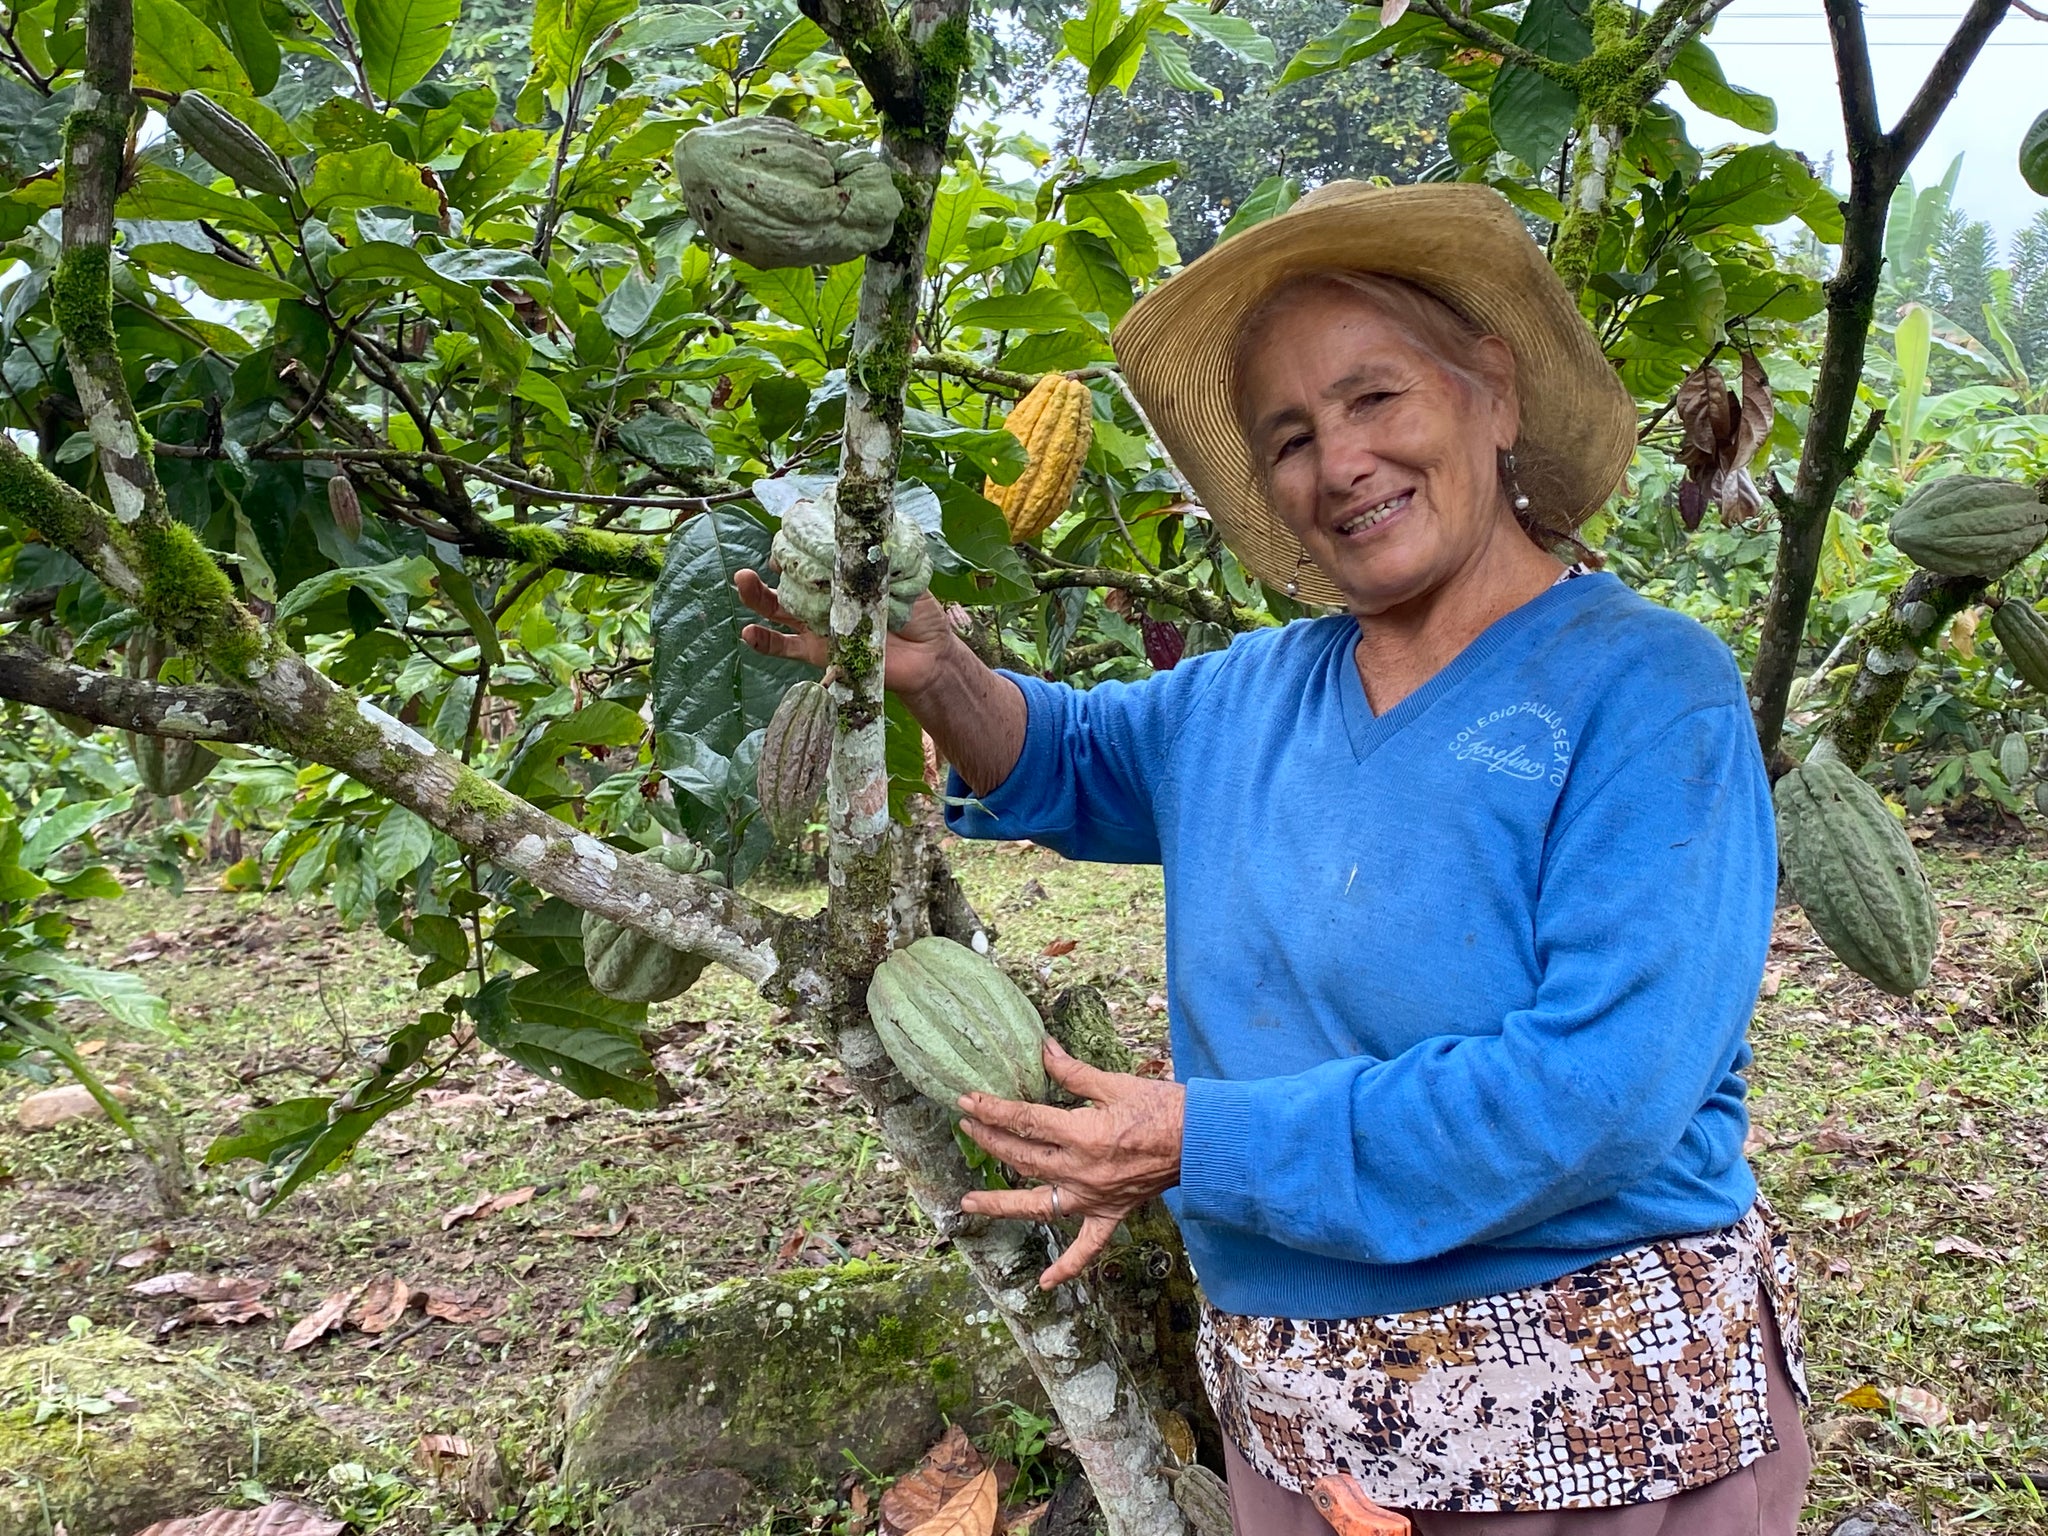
[{"x": 1379, "y": 454}]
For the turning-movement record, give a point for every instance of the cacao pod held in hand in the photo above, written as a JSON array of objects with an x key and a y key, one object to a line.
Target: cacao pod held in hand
[
  {"x": 954, "y": 1023},
  {"x": 805, "y": 546},
  {"x": 1850, "y": 864},
  {"x": 796, "y": 750}
]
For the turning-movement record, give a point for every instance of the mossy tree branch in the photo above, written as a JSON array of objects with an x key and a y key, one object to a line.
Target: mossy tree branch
[
  {"x": 1888, "y": 651},
  {"x": 30, "y": 675},
  {"x": 1197, "y": 601}
]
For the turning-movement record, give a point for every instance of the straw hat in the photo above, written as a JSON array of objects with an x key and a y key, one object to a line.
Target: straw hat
[{"x": 1459, "y": 241}]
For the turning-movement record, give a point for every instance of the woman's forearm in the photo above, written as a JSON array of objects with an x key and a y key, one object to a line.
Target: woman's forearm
[{"x": 976, "y": 717}]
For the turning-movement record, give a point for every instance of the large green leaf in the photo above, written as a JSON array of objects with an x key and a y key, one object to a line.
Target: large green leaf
[
  {"x": 565, "y": 31},
  {"x": 255, "y": 44},
  {"x": 167, "y": 197},
  {"x": 401, "y": 40},
  {"x": 1531, "y": 113},
  {"x": 1231, "y": 33},
  {"x": 371, "y": 176},
  {"x": 1087, "y": 268},
  {"x": 556, "y": 1024},
  {"x": 1698, "y": 73},
  {"x": 212, "y": 273},
  {"x": 550, "y": 937},
  {"x": 706, "y": 683},
  {"x": 1042, "y": 309},
  {"x": 176, "y": 51},
  {"x": 2034, "y": 155},
  {"x": 121, "y": 996},
  {"x": 491, "y": 165},
  {"x": 1273, "y": 196}
]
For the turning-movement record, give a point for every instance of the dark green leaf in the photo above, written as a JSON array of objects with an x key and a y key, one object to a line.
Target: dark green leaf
[
  {"x": 668, "y": 443},
  {"x": 255, "y": 46},
  {"x": 1698, "y": 73},
  {"x": 550, "y": 937},
  {"x": 1042, "y": 309},
  {"x": 2034, "y": 155},
  {"x": 401, "y": 40},
  {"x": 1274, "y": 195}
]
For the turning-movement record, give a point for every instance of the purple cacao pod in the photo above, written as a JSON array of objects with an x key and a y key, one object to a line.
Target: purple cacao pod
[{"x": 1164, "y": 644}]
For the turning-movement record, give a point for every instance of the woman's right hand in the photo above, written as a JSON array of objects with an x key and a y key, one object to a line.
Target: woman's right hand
[{"x": 915, "y": 657}]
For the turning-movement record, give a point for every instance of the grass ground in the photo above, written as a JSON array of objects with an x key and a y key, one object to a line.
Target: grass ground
[{"x": 1903, "y": 1142}]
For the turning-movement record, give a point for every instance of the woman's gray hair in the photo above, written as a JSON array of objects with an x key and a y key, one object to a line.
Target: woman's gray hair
[{"x": 1431, "y": 325}]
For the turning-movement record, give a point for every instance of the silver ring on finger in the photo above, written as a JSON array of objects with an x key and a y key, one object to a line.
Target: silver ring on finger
[{"x": 1056, "y": 1203}]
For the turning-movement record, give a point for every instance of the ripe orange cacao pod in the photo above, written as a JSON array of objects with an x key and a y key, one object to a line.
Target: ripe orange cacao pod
[{"x": 1055, "y": 422}]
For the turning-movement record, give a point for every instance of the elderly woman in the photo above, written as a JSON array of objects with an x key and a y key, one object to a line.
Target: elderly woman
[{"x": 1468, "y": 891}]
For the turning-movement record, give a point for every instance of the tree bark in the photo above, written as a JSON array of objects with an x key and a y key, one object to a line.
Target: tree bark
[
  {"x": 1877, "y": 161},
  {"x": 31, "y": 676},
  {"x": 1888, "y": 651}
]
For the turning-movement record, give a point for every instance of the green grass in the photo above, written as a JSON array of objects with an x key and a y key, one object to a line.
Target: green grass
[{"x": 1904, "y": 1143}]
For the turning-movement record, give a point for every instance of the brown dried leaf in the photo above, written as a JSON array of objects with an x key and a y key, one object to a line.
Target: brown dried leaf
[
  {"x": 1917, "y": 1405},
  {"x": 1964, "y": 1247},
  {"x": 184, "y": 1284},
  {"x": 280, "y": 1517},
  {"x": 970, "y": 1512},
  {"x": 157, "y": 1248},
  {"x": 437, "y": 1454},
  {"x": 1753, "y": 418},
  {"x": 1060, "y": 947},
  {"x": 487, "y": 1205},
  {"x": 322, "y": 1320},
  {"x": 385, "y": 1300},
  {"x": 456, "y": 1307},
  {"x": 217, "y": 1314},
  {"x": 12, "y": 1310},
  {"x": 1702, "y": 408},
  {"x": 947, "y": 1468}
]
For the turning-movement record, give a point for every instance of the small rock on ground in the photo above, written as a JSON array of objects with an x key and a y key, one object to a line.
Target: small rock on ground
[
  {"x": 54, "y": 1106},
  {"x": 1879, "y": 1519}
]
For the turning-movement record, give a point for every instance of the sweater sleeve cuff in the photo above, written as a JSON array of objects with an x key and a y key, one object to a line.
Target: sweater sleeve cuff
[
  {"x": 1215, "y": 1161},
  {"x": 1014, "y": 808}
]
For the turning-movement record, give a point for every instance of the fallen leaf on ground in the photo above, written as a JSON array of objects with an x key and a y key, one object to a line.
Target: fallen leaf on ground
[
  {"x": 1026, "y": 1520},
  {"x": 1964, "y": 1247},
  {"x": 1060, "y": 947},
  {"x": 206, "y": 1288},
  {"x": 13, "y": 1308},
  {"x": 158, "y": 1247},
  {"x": 280, "y": 1517},
  {"x": 970, "y": 1512},
  {"x": 1869, "y": 1398},
  {"x": 438, "y": 1453},
  {"x": 1917, "y": 1405},
  {"x": 487, "y": 1205},
  {"x": 321, "y": 1320},
  {"x": 455, "y": 1307},
  {"x": 386, "y": 1299},
  {"x": 611, "y": 1229},
  {"x": 947, "y": 1467},
  {"x": 214, "y": 1314}
]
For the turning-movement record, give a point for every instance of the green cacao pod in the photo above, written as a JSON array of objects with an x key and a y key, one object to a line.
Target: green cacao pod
[
  {"x": 773, "y": 195},
  {"x": 1852, "y": 868},
  {"x": 1204, "y": 1499},
  {"x": 2014, "y": 760},
  {"x": 2023, "y": 634},
  {"x": 164, "y": 765},
  {"x": 228, "y": 144},
  {"x": 630, "y": 966},
  {"x": 796, "y": 749},
  {"x": 1967, "y": 525},
  {"x": 805, "y": 546},
  {"x": 954, "y": 1023}
]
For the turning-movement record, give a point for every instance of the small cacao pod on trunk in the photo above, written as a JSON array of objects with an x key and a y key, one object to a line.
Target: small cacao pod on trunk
[
  {"x": 1853, "y": 869},
  {"x": 1055, "y": 422},
  {"x": 228, "y": 144},
  {"x": 346, "y": 505},
  {"x": 1968, "y": 525},
  {"x": 2023, "y": 634},
  {"x": 631, "y": 966},
  {"x": 796, "y": 750},
  {"x": 1164, "y": 644},
  {"x": 163, "y": 765},
  {"x": 954, "y": 1023}
]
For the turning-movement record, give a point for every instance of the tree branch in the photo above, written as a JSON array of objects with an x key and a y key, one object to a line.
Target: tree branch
[
  {"x": 29, "y": 675},
  {"x": 879, "y": 54},
  {"x": 1888, "y": 650},
  {"x": 1863, "y": 129},
  {"x": 1508, "y": 52},
  {"x": 1198, "y": 601},
  {"x": 1942, "y": 83}
]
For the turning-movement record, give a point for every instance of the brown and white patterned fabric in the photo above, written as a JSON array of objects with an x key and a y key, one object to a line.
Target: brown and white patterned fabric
[{"x": 1626, "y": 1382}]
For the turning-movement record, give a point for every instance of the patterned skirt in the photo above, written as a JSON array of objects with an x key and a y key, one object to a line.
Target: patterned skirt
[{"x": 1625, "y": 1382}]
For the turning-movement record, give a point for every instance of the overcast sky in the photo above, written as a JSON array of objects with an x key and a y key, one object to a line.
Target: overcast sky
[{"x": 1780, "y": 47}]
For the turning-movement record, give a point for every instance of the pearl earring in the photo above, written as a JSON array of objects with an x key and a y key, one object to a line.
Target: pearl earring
[
  {"x": 1516, "y": 497},
  {"x": 1293, "y": 587}
]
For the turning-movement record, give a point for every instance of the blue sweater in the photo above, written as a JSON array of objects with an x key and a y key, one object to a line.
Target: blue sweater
[{"x": 1459, "y": 992}]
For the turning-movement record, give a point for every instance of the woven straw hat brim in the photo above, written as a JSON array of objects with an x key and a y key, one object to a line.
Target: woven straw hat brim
[{"x": 1461, "y": 242}]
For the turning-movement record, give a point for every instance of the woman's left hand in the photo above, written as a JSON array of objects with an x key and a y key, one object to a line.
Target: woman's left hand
[{"x": 1099, "y": 1163}]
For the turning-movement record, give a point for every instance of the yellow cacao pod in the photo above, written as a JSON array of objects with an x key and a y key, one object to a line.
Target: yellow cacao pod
[{"x": 1055, "y": 423}]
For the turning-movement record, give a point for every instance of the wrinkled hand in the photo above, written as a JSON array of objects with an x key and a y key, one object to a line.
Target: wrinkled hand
[
  {"x": 914, "y": 655},
  {"x": 1104, "y": 1161}
]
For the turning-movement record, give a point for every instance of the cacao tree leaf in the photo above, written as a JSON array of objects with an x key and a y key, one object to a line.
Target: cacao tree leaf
[
  {"x": 790, "y": 47},
  {"x": 565, "y": 32},
  {"x": 1273, "y": 196},
  {"x": 1531, "y": 114},
  {"x": 117, "y": 994},
  {"x": 491, "y": 165},
  {"x": 1233, "y": 34},
  {"x": 401, "y": 40},
  {"x": 371, "y": 176},
  {"x": 176, "y": 51},
  {"x": 255, "y": 46},
  {"x": 165, "y": 196},
  {"x": 555, "y": 1024},
  {"x": 1176, "y": 68},
  {"x": 1698, "y": 73},
  {"x": 261, "y": 1132},
  {"x": 1041, "y": 309},
  {"x": 668, "y": 443},
  {"x": 550, "y": 937},
  {"x": 2034, "y": 155},
  {"x": 706, "y": 683},
  {"x": 400, "y": 845}
]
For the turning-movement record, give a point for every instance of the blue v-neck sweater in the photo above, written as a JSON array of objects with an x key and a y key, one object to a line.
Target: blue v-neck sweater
[{"x": 1459, "y": 992}]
